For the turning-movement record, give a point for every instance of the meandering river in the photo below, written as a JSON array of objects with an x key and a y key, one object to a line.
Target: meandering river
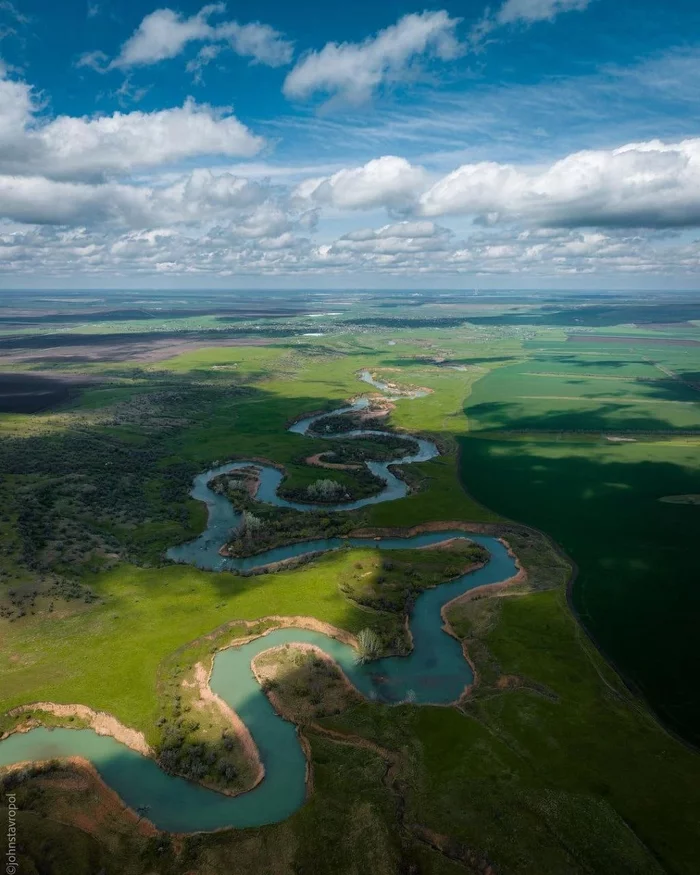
[{"x": 434, "y": 672}]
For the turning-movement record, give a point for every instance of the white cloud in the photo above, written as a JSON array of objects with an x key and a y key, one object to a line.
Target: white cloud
[
  {"x": 353, "y": 71},
  {"x": 164, "y": 34},
  {"x": 258, "y": 41},
  {"x": 394, "y": 240},
  {"x": 225, "y": 251},
  {"x": 71, "y": 202},
  {"x": 95, "y": 60},
  {"x": 523, "y": 12},
  {"x": 71, "y": 147},
  {"x": 388, "y": 181},
  {"x": 195, "y": 200},
  {"x": 13, "y": 12},
  {"x": 16, "y": 107},
  {"x": 652, "y": 185},
  {"x": 537, "y": 10},
  {"x": 123, "y": 141}
]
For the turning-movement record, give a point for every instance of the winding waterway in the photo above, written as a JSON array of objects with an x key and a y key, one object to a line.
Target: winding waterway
[{"x": 434, "y": 672}]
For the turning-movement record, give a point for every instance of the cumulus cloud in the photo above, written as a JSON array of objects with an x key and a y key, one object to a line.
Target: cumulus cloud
[
  {"x": 397, "y": 239},
  {"x": 353, "y": 71},
  {"x": 84, "y": 147},
  {"x": 229, "y": 249},
  {"x": 652, "y": 185},
  {"x": 195, "y": 198},
  {"x": 164, "y": 34},
  {"x": 648, "y": 185},
  {"x": 258, "y": 41},
  {"x": 123, "y": 141},
  {"x": 70, "y": 202},
  {"x": 384, "y": 182}
]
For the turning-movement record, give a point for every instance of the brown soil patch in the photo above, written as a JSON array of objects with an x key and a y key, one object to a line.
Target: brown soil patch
[
  {"x": 84, "y": 800},
  {"x": 378, "y": 411},
  {"x": 319, "y": 462},
  {"x": 310, "y": 623},
  {"x": 124, "y": 349},
  {"x": 509, "y": 682}
]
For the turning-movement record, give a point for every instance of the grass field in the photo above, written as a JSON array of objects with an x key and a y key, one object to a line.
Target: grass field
[
  {"x": 600, "y": 500},
  {"x": 551, "y": 766}
]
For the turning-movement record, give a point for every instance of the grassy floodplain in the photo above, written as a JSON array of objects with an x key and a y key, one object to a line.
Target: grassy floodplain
[{"x": 552, "y": 765}]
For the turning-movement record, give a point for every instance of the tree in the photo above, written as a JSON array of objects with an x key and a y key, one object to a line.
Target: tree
[
  {"x": 369, "y": 645},
  {"x": 325, "y": 490},
  {"x": 249, "y": 526}
]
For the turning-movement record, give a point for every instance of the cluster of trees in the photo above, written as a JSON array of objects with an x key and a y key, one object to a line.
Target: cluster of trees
[
  {"x": 262, "y": 527},
  {"x": 310, "y": 686},
  {"x": 84, "y": 497},
  {"x": 378, "y": 448},
  {"x": 249, "y": 529},
  {"x": 391, "y": 591},
  {"x": 195, "y": 759},
  {"x": 343, "y": 422},
  {"x": 362, "y": 483},
  {"x": 326, "y": 490}
]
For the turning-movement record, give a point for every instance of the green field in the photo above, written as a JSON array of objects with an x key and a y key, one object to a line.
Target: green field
[
  {"x": 551, "y": 765},
  {"x": 600, "y": 500}
]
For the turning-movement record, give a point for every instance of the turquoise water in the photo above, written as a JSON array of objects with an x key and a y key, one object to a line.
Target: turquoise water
[{"x": 434, "y": 672}]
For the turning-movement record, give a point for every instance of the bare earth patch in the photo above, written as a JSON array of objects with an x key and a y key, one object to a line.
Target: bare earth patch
[
  {"x": 79, "y": 797},
  {"x": 320, "y": 462}
]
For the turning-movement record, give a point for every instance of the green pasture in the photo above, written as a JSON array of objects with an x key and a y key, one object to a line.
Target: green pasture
[{"x": 108, "y": 657}]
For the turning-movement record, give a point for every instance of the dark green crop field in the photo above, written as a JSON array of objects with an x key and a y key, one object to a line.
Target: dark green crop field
[{"x": 594, "y": 482}]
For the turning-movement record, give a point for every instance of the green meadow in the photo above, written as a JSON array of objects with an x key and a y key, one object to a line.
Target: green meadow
[{"x": 559, "y": 761}]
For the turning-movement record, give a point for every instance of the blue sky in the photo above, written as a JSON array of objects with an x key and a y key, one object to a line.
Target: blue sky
[{"x": 526, "y": 143}]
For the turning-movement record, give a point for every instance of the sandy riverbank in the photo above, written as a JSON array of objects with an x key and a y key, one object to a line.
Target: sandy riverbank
[
  {"x": 237, "y": 727},
  {"x": 101, "y": 722}
]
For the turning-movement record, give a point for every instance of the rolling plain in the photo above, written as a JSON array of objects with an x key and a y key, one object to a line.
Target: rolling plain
[{"x": 561, "y": 428}]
